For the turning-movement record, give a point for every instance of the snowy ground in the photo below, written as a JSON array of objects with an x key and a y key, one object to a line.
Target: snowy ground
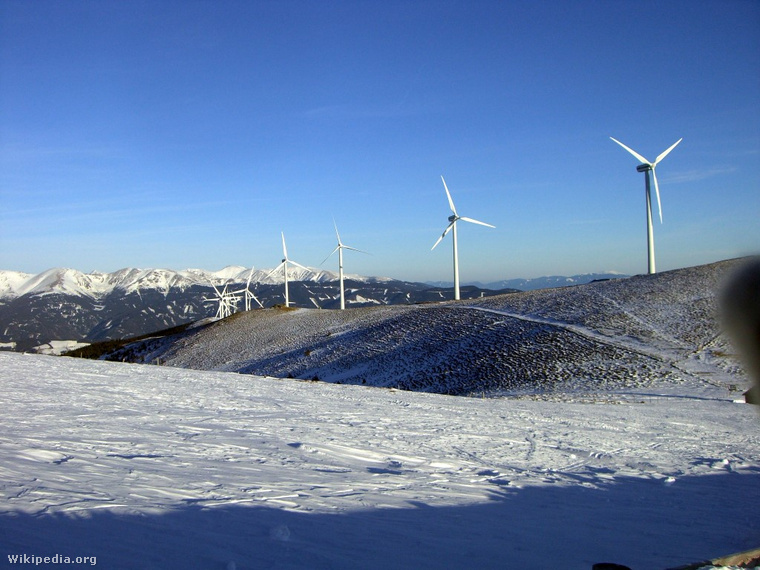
[{"x": 157, "y": 467}]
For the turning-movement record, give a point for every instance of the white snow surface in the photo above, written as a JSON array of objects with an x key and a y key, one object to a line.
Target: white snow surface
[{"x": 159, "y": 467}]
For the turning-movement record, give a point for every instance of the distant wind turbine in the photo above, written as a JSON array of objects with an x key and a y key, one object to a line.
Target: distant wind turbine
[
  {"x": 284, "y": 265},
  {"x": 341, "y": 246},
  {"x": 227, "y": 301},
  {"x": 646, "y": 167},
  {"x": 453, "y": 219},
  {"x": 248, "y": 293}
]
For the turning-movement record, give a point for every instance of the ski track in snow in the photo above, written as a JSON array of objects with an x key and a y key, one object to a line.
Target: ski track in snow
[{"x": 156, "y": 467}]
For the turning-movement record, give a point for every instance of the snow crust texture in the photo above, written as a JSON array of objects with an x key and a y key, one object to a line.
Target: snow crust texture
[{"x": 159, "y": 467}]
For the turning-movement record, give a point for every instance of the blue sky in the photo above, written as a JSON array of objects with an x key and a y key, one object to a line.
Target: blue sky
[{"x": 190, "y": 134}]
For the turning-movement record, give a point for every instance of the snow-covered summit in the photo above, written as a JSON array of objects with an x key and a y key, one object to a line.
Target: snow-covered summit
[{"x": 11, "y": 282}]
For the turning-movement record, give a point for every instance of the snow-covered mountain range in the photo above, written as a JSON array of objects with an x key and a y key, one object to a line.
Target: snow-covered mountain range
[
  {"x": 72, "y": 282},
  {"x": 68, "y": 305}
]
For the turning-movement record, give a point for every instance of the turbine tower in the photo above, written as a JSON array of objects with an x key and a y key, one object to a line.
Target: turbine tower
[
  {"x": 341, "y": 246},
  {"x": 284, "y": 265},
  {"x": 646, "y": 167},
  {"x": 453, "y": 219}
]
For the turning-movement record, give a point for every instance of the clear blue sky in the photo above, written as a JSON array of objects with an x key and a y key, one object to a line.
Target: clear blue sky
[{"x": 190, "y": 134}]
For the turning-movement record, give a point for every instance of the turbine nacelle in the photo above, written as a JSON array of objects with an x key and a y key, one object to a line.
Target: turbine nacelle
[{"x": 647, "y": 166}]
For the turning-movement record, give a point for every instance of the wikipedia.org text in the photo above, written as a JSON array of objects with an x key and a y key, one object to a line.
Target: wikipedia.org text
[{"x": 55, "y": 559}]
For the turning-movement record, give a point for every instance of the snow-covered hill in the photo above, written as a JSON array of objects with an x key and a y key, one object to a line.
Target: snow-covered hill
[
  {"x": 157, "y": 467},
  {"x": 599, "y": 337}
]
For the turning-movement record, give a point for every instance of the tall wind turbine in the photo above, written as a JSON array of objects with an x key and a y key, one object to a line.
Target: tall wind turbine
[
  {"x": 453, "y": 219},
  {"x": 284, "y": 265},
  {"x": 646, "y": 167},
  {"x": 341, "y": 246}
]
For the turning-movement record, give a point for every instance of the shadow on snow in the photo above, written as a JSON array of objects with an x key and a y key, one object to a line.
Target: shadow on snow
[{"x": 643, "y": 523}]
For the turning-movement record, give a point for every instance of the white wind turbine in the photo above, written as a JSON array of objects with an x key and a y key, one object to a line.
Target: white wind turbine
[
  {"x": 341, "y": 246},
  {"x": 226, "y": 300},
  {"x": 284, "y": 265},
  {"x": 646, "y": 167},
  {"x": 453, "y": 219},
  {"x": 248, "y": 293}
]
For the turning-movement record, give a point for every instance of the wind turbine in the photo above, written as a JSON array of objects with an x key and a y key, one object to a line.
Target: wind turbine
[
  {"x": 226, "y": 299},
  {"x": 453, "y": 219},
  {"x": 646, "y": 167},
  {"x": 341, "y": 246},
  {"x": 248, "y": 293},
  {"x": 284, "y": 266}
]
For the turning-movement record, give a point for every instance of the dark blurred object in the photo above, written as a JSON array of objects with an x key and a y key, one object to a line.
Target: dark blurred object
[{"x": 740, "y": 316}]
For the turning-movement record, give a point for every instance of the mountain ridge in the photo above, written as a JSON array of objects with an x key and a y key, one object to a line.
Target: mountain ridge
[
  {"x": 96, "y": 284},
  {"x": 543, "y": 282}
]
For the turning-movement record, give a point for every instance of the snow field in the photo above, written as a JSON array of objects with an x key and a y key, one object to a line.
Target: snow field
[{"x": 157, "y": 467}]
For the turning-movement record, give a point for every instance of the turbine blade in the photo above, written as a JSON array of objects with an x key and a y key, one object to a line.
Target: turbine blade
[
  {"x": 476, "y": 222},
  {"x": 298, "y": 265},
  {"x": 354, "y": 249},
  {"x": 657, "y": 191},
  {"x": 336, "y": 232},
  {"x": 248, "y": 283},
  {"x": 443, "y": 235},
  {"x": 448, "y": 195},
  {"x": 284, "y": 248},
  {"x": 664, "y": 154},
  {"x": 633, "y": 152},
  {"x": 329, "y": 256},
  {"x": 275, "y": 270}
]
